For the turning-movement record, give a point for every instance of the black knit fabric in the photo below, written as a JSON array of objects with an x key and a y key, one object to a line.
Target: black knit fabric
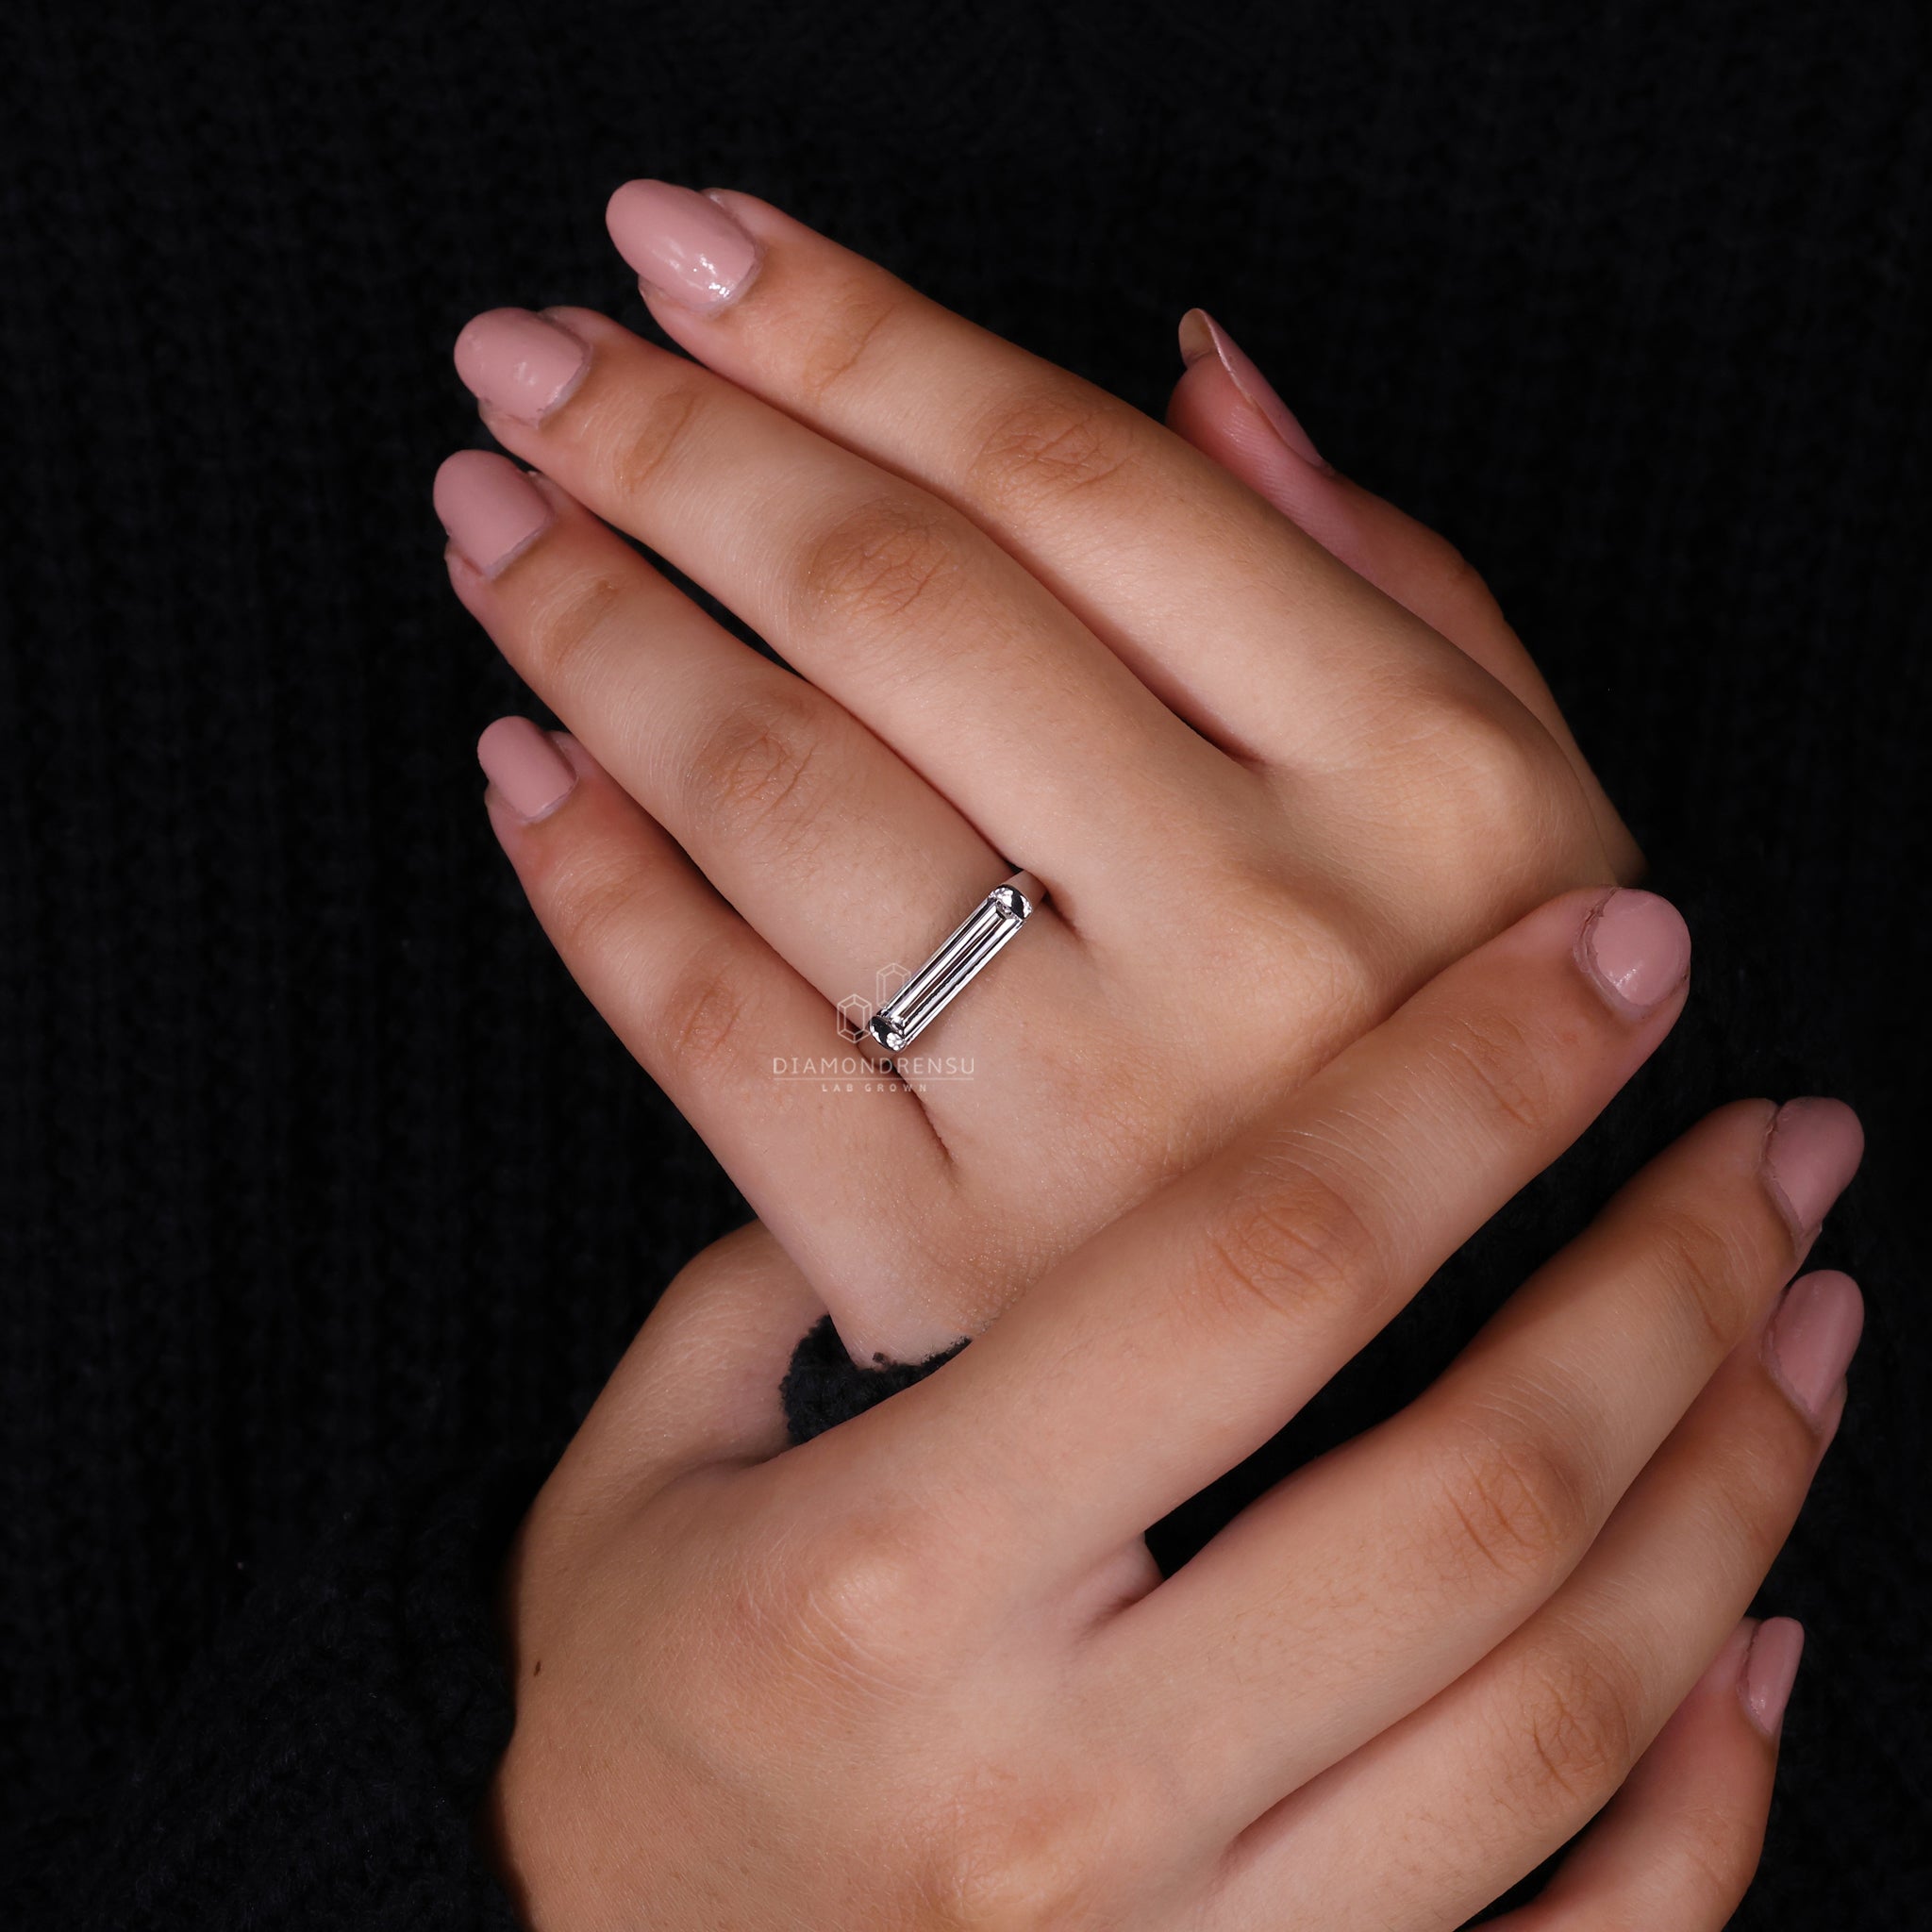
[
  {"x": 825, "y": 1386},
  {"x": 329, "y": 1203},
  {"x": 327, "y": 1759}
]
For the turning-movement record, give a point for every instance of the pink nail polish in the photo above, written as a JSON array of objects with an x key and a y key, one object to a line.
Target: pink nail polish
[
  {"x": 1770, "y": 1670},
  {"x": 525, "y": 764},
  {"x": 1201, "y": 335},
  {"x": 1636, "y": 947},
  {"x": 1813, "y": 1335},
  {"x": 683, "y": 245},
  {"x": 519, "y": 362},
  {"x": 1810, "y": 1155},
  {"x": 1725, "y": 1670},
  {"x": 491, "y": 510}
]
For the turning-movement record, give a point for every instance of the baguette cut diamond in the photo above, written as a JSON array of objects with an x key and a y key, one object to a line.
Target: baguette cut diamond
[{"x": 988, "y": 927}]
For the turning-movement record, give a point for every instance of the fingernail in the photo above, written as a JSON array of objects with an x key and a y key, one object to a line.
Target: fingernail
[
  {"x": 1726, "y": 1669},
  {"x": 1812, "y": 1151},
  {"x": 491, "y": 510},
  {"x": 519, "y": 362},
  {"x": 683, "y": 245},
  {"x": 1636, "y": 947},
  {"x": 1770, "y": 1670},
  {"x": 1201, "y": 335},
  {"x": 1813, "y": 1337},
  {"x": 525, "y": 764}
]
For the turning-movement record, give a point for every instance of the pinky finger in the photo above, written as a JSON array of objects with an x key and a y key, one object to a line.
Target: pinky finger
[
  {"x": 1228, "y": 410},
  {"x": 1678, "y": 1844}
]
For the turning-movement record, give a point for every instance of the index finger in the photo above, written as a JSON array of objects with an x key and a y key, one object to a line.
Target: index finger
[{"x": 1181, "y": 1338}]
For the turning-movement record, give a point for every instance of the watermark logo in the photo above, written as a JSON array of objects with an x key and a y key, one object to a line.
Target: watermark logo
[
  {"x": 856, "y": 1010},
  {"x": 871, "y": 1069}
]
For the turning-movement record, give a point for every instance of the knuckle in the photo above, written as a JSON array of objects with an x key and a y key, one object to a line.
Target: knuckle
[
  {"x": 849, "y": 321},
  {"x": 1719, "y": 1846},
  {"x": 1514, "y": 1504},
  {"x": 1288, "y": 1243},
  {"x": 1012, "y": 1880},
  {"x": 1497, "y": 1055},
  {"x": 645, "y": 445},
  {"x": 756, "y": 771},
  {"x": 1754, "y": 1483},
  {"x": 853, "y": 1605},
  {"x": 1722, "y": 1847},
  {"x": 562, "y": 625},
  {"x": 1039, "y": 1850},
  {"x": 1577, "y": 1730},
  {"x": 1707, "y": 1270},
  {"x": 703, "y": 1014},
  {"x": 886, "y": 561},
  {"x": 1500, "y": 799},
  {"x": 595, "y": 901},
  {"x": 1047, "y": 444},
  {"x": 1341, "y": 977}
]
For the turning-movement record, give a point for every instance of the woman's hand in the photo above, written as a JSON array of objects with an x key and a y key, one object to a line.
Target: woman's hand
[
  {"x": 1035, "y": 628},
  {"x": 921, "y": 1671}
]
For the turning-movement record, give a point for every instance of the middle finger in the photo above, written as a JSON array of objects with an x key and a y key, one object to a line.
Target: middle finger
[{"x": 884, "y": 598}]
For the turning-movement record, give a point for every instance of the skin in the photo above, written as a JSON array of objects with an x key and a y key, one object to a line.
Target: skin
[
  {"x": 1031, "y": 627},
  {"x": 922, "y": 1673},
  {"x": 1339, "y": 744}
]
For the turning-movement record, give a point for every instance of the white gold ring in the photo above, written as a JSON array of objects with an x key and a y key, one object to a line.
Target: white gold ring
[{"x": 988, "y": 927}]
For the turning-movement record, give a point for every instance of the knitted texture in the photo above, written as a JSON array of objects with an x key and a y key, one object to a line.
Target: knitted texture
[
  {"x": 825, "y": 1386},
  {"x": 324, "y": 1187},
  {"x": 324, "y": 1763}
]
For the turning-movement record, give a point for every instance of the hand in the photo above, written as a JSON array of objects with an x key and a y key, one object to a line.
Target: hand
[
  {"x": 1036, "y": 629},
  {"x": 921, "y": 1673}
]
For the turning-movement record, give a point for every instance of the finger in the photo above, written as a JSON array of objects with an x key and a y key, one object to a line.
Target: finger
[
  {"x": 1135, "y": 533},
  {"x": 1517, "y": 1756},
  {"x": 1227, "y": 410},
  {"x": 892, "y": 602},
  {"x": 785, "y": 801},
  {"x": 1460, "y": 1515},
  {"x": 847, "y": 864},
  {"x": 1223, "y": 1304},
  {"x": 716, "y": 1019},
  {"x": 696, "y": 1393},
  {"x": 700, "y": 1383},
  {"x": 1677, "y": 1846}
]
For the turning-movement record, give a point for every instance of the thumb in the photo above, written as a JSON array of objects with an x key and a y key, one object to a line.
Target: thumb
[{"x": 700, "y": 1384}]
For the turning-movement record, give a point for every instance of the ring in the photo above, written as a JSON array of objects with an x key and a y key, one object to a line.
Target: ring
[{"x": 984, "y": 931}]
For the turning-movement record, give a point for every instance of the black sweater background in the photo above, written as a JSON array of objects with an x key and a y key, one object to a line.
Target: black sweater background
[{"x": 329, "y": 1201}]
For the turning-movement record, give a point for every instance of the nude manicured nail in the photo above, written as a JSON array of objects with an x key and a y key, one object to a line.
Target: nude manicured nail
[
  {"x": 1813, "y": 1337},
  {"x": 519, "y": 362},
  {"x": 1201, "y": 335},
  {"x": 1770, "y": 1670},
  {"x": 525, "y": 764},
  {"x": 1636, "y": 947},
  {"x": 683, "y": 245},
  {"x": 492, "y": 511},
  {"x": 1812, "y": 1151}
]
